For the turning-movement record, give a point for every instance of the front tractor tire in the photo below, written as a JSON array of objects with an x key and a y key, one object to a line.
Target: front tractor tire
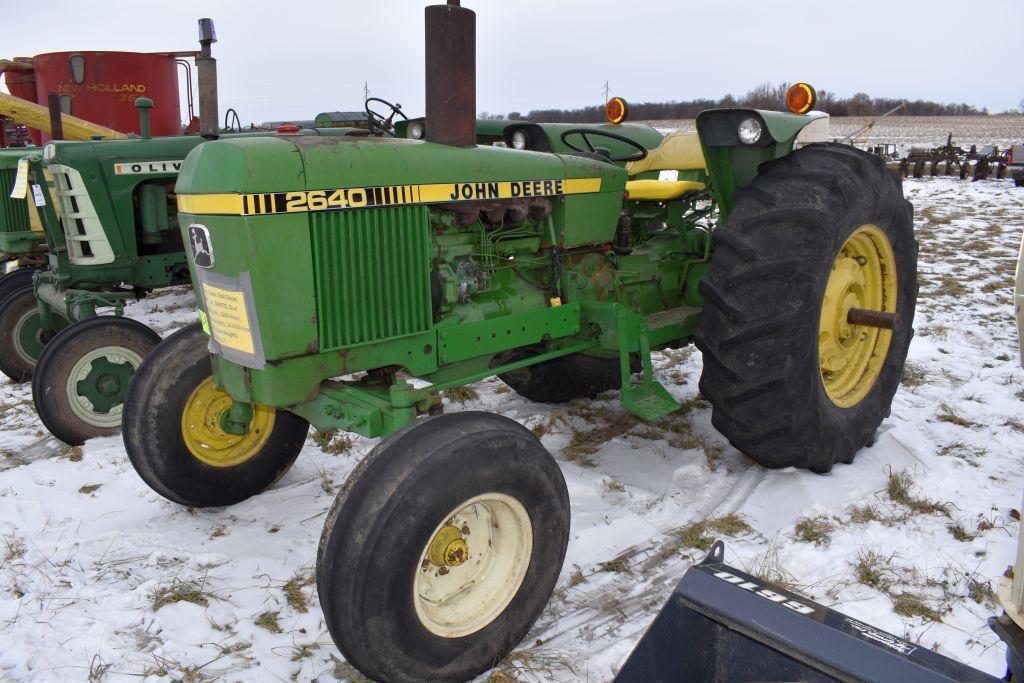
[
  {"x": 22, "y": 336},
  {"x": 15, "y": 280},
  {"x": 174, "y": 430},
  {"x": 82, "y": 376},
  {"x": 791, "y": 379},
  {"x": 443, "y": 548}
]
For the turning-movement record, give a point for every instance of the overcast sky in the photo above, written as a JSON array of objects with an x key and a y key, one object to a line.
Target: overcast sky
[{"x": 281, "y": 60}]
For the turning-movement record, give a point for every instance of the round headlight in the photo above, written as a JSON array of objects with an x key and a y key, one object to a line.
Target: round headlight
[
  {"x": 416, "y": 130},
  {"x": 49, "y": 152},
  {"x": 749, "y": 131},
  {"x": 519, "y": 139}
]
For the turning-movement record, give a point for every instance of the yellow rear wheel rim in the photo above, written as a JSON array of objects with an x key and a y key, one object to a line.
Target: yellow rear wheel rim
[
  {"x": 851, "y": 357},
  {"x": 206, "y": 439}
]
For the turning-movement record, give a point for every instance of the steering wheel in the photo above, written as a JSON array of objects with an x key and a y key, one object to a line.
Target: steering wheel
[
  {"x": 591, "y": 150},
  {"x": 380, "y": 123}
]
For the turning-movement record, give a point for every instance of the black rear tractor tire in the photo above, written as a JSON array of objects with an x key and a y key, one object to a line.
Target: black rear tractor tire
[
  {"x": 15, "y": 280},
  {"x": 22, "y": 338},
  {"x": 174, "y": 435},
  {"x": 399, "y": 534},
  {"x": 562, "y": 379},
  {"x": 82, "y": 376},
  {"x": 787, "y": 260},
  {"x": 1018, "y": 179}
]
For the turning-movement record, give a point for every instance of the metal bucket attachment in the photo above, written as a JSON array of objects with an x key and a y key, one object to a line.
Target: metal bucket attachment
[{"x": 722, "y": 624}]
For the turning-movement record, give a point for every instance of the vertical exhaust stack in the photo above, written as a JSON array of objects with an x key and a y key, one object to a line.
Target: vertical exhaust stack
[
  {"x": 206, "y": 66},
  {"x": 56, "y": 121},
  {"x": 451, "y": 74}
]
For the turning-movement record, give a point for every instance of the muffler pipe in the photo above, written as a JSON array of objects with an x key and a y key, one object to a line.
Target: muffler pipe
[
  {"x": 206, "y": 69},
  {"x": 451, "y": 74},
  {"x": 56, "y": 121}
]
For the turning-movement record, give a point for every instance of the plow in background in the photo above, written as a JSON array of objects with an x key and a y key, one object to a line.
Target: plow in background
[{"x": 973, "y": 164}]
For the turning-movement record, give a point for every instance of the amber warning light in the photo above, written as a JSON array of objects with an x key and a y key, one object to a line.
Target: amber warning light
[
  {"x": 801, "y": 98},
  {"x": 616, "y": 110}
]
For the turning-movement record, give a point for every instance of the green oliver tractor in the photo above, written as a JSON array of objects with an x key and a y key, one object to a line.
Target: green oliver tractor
[
  {"x": 22, "y": 245},
  {"x": 112, "y": 232},
  {"x": 332, "y": 271}
]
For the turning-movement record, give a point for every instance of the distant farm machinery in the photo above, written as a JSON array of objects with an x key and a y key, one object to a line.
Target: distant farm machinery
[{"x": 975, "y": 163}]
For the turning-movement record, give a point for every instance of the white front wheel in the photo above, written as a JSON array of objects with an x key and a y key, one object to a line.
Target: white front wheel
[{"x": 473, "y": 565}]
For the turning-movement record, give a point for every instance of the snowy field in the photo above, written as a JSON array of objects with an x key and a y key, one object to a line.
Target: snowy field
[
  {"x": 1003, "y": 130},
  {"x": 101, "y": 579}
]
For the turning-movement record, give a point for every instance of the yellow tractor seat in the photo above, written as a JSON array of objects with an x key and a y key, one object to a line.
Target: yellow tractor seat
[
  {"x": 680, "y": 151},
  {"x": 660, "y": 190}
]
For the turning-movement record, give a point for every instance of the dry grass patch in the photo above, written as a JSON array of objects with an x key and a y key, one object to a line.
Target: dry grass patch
[
  {"x": 938, "y": 332},
  {"x": 461, "y": 395},
  {"x": 949, "y": 285},
  {"x": 1015, "y": 424},
  {"x": 293, "y": 593},
  {"x": 957, "y": 530},
  {"x": 898, "y": 489},
  {"x": 531, "y": 665},
  {"x": 699, "y": 534},
  {"x": 98, "y": 669},
  {"x": 268, "y": 620},
  {"x": 948, "y": 413},
  {"x": 187, "y": 590},
  {"x": 874, "y": 570},
  {"x": 817, "y": 530},
  {"x": 333, "y": 441},
  {"x": 914, "y": 375},
  {"x": 616, "y": 566},
  {"x": 89, "y": 488},
  {"x": 862, "y": 514},
  {"x": 912, "y": 605},
  {"x": 612, "y": 486},
  {"x": 589, "y": 439},
  {"x": 958, "y": 448},
  {"x": 15, "y": 548},
  {"x": 767, "y": 566},
  {"x": 303, "y": 651}
]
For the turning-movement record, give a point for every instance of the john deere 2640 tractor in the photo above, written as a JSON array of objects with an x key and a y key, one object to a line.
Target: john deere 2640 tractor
[{"x": 331, "y": 271}]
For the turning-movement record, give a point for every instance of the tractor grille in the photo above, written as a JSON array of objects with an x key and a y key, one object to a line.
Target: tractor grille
[
  {"x": 87, "y": 242},
  {"x": 13, "y": 212},
  {"x": 371, "y": 268}
]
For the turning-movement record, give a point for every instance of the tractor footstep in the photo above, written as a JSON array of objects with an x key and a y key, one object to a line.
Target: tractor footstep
[{"x": 649, "y": 401}]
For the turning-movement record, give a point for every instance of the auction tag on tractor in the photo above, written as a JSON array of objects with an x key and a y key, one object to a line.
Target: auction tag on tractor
[
  {"x": 20, "y": 180},
  {"x": 229, "y": 320},
  {"x": 38, "y": 196}
]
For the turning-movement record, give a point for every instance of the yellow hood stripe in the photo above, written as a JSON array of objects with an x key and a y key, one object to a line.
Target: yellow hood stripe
[{"x": 390, "y": 195}]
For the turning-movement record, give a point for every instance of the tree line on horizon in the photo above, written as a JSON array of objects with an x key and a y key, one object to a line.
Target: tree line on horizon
[{"x": 764, "y": 96}]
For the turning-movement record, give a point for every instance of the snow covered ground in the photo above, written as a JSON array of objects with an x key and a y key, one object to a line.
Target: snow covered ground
[{"x": 911, "y": 537}]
